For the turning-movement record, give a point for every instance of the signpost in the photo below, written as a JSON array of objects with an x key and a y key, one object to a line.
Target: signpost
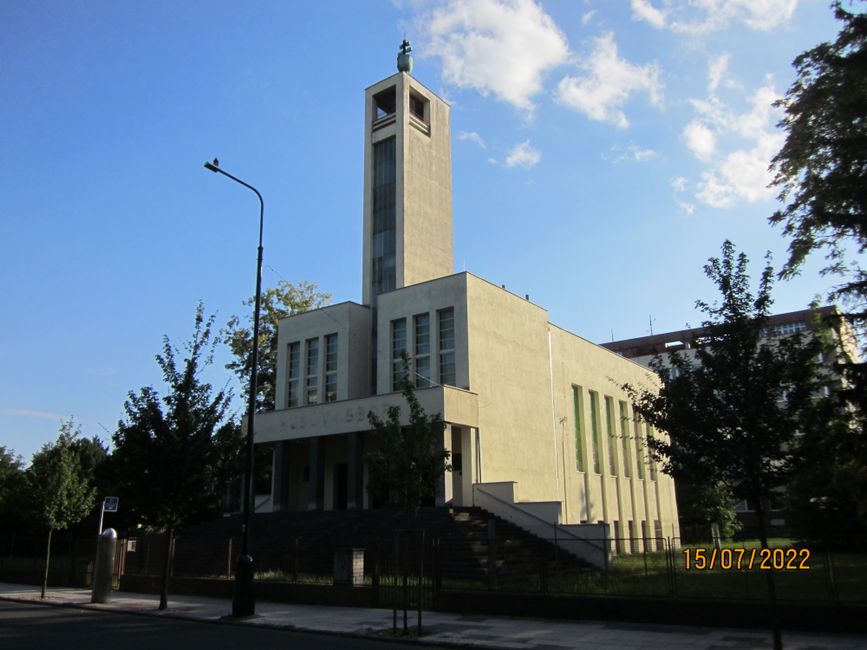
[{"x": 109, "y": 504}]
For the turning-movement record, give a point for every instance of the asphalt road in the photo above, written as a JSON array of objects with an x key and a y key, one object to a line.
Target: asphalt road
[{"x": 37, "y": 627}]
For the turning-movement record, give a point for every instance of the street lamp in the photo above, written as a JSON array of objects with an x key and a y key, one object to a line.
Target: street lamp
[{"x": 244, "y": 602}]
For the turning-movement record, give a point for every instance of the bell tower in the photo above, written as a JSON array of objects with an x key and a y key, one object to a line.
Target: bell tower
[{"x": 407, "y": 184}]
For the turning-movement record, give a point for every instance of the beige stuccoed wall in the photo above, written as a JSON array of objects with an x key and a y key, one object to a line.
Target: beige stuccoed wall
[
  {"x": 426, "y": 297},
  {"x": 426, "y": 203},
  {"x": 351, "y": 323},
  {"x": 423, "y": 219},
  {"x": 589, "y": 496},
  {"x": 508, "y": 369}
]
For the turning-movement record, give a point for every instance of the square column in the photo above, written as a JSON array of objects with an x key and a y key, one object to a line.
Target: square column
[
  {"x": 280, "y": 487},
  {"x": 354, "y": 471},
  {"x": 316, "y": 482},
  {"x": 444, "y": 482}
]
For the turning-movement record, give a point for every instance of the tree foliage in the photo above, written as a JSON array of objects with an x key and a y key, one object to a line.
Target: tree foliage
[
  {"x": 821, "y": 170},
  {"x": 13, "y": 488},
  {"x": 169, "y": 455},
  {"x": 821, "y": 173},
  {"x": 284, "y": 300},
  {"x": 732, "y": 415},
  {"x": 408, "y": 464},
  {"x": 59, "y": 490},
  {"x": 733, "y": 418}
]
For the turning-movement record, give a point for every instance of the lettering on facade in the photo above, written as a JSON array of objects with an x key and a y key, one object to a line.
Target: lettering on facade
[{"x": 323, "y": 419}]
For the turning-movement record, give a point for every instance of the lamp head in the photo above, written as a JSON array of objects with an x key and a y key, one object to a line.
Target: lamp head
[{"x": 213, "y": 166}]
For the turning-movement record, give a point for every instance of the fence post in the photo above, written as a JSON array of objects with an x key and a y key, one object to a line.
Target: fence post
[
  {"x": 420, "y": 579},
  {"x": 396, "y": 566},
  {"x": 832, "y": 583},
  {"x": 492, "y": 554},
  {"x": 673, "y": 568},
  {"x": 295, "y": 560}
]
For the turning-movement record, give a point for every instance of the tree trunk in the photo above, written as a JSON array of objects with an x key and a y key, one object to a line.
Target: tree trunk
[
  {"x": 47, "y": 558},
  {"x": 167, "y": 561},
  {"x": 776, "y": 631}
]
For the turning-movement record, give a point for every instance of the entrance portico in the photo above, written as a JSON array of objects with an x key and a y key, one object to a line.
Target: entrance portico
[{"x": 318, "y": 459}]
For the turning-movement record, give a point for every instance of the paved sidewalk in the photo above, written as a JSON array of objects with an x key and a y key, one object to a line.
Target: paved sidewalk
[{"x": 449, "y": 629}]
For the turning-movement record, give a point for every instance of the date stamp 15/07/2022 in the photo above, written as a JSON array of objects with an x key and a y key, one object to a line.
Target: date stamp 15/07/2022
[{"x": 737, "y": 559}]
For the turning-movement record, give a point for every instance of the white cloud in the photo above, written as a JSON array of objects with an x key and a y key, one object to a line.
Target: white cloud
[
  {"x": 679, "y": 186},
  {"x": 496, "y": 46},
  {"x": 633, "y": 152},
  {"x": 587, "y": 17},
  {"x": 697, "y": 17},
  {"x": 751, "y": 124},
  {"x": 523, "y": 155},
  {"x": 29, "y": 413},
  {"x": 717, "y": 68},
  {"x": 472, "y": 136},
  {"x": 737, "y": 146},
  {"x": 609, "y": 83},
  {"x": 743, "y": 175},
  {"x": 700, "y": 140},
  {"x": 643, "y": 10}
]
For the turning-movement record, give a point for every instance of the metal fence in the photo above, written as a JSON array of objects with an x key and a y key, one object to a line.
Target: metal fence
[{"x": 407, "y": 569}]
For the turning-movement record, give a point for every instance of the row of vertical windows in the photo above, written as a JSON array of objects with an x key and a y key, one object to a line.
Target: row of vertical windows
[
  {"x": 421, "y": 357},
  {"x": 421, "y": 349},
  {"x": 331, "y": 368},
  {"x": 612, "y": 434},
  {"x": 596, "y": 443},
  {"x": 398, "y": 347},
  {"x": 383, "y": 234},
  {"x": 294, "y": 375},
  {"x": 578, "y": 405},
  {"x": 446, "y": 326},
  {"x": 624, "y": 439},
  {"x": 311, "y": 372},
  {"x": 595, "y": 440}
]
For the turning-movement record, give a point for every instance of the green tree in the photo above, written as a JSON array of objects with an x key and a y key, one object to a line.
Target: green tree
[
  {"x": 284, "y": 300},
  {"x": 13, "y": 488},
  {"x": 701, "y": 503},
  {"x": 733, "y": 415},
  {"x": 407, "y": 465},
  {"x": 167, "y": 454},
  {"x": 59, "y": 490},
  {"x": 821, "y": 173}
]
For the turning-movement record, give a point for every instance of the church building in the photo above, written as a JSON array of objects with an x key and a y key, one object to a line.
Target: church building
[{"x": 538, "y": 427}]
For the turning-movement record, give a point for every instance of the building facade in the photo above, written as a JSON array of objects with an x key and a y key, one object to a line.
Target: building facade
[{"x": 536, "y": 422}]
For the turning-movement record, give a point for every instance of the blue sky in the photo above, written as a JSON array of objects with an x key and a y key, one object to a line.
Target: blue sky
[{"x": 602, "y": 151}]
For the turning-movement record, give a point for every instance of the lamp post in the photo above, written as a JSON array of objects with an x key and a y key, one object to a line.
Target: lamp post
[{"x": 244, "y": 602}]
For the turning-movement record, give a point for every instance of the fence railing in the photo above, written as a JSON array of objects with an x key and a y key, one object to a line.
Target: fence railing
[{"x": 407, "y": 570}]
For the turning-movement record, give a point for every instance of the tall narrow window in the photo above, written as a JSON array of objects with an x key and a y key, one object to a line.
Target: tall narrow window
[
  {"x": 639, "y": 445},
  {"x": 612, "y": 434},
  {"x": 650, "y": 459},
  {"x": 421, "y": 326},
  {"x": 446, "y": 329},
  {"x": 624, "y": 439},
  {"x": 398, "y": 347},
  {"x": 312, "y": 371},
  {"x": 293, "y": 383},
  {"x": 384, "y": 221},
  {"x": 578, "y": 406},
  {"x": 594, "y": 426},
  {"x": 331, "y": 368}
]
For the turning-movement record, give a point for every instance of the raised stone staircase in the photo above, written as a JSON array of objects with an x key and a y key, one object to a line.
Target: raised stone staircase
[{"x": 464, "y": 546}]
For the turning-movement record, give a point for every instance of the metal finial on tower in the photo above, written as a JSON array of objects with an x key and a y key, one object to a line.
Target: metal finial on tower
[{"x": 404, "y": 58}]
